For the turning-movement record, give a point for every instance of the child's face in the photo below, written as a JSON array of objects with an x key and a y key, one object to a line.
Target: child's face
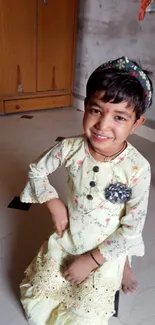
[{"x": 107, "y": 125}]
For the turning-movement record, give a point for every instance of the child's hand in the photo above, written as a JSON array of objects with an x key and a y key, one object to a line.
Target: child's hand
[
  {"x": 79, "y": 270},
  {"x": 129, "y": 282},
  {"x": 59, "y": 214}
]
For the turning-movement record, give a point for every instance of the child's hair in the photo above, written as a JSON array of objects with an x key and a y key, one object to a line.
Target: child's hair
[{"x": 119, "y": 86}]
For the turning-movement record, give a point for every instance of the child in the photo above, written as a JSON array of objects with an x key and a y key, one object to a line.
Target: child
[{"x": 74, "y": 278}]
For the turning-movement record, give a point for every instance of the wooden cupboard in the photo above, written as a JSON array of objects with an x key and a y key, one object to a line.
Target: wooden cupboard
[{"x": 37, "y": 54}]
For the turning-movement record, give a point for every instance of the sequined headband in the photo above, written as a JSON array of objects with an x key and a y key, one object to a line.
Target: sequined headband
[{"x": 125, "y": 64}]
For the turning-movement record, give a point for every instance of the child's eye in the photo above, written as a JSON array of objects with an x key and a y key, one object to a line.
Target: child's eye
[
  {"x": 94, "y": 111},
  {"x": 120, "y": 118}
]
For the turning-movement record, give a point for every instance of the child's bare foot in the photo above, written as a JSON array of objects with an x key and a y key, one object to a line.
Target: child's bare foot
[{"x": 129, "y": 282}]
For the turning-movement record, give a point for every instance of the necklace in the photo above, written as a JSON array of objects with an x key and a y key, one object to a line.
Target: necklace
[{"x": 108, "y": 158}]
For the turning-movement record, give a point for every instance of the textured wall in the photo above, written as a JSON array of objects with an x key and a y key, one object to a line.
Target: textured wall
[{"x": 108, "y": 29}]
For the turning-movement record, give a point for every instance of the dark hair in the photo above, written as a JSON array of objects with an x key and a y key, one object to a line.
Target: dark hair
[{"x": 119, "y": 86}]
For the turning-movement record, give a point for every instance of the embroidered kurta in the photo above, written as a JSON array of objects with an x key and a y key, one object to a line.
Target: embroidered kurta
[{"x": 116, "y": 229}]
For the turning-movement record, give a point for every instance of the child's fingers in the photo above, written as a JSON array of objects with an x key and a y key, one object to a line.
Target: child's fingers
[
  {"x": 135, "y": 284},
  {"x": 66, "y": 273},
  {"x": 64, "y": 224},
  {"x": 125, "y": 289},
  {"x": 59, "y": 231},
  {"x": 134, "y": 287},
  {"x": 130, "y": 288},
  {"x": 59, "y": 228},
  {"x": 69, "y": 278},
  {"x": 77, "y": 282}
]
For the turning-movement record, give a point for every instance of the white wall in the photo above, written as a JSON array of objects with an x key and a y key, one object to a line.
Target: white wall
[{"x": 109, "y": 29}]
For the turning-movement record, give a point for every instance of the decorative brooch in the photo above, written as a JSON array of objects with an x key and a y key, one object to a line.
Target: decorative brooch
[{"x": 118, "y": 193}]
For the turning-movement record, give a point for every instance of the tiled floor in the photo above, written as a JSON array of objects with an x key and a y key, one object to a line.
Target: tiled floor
[{"x": 22, "y": 232}]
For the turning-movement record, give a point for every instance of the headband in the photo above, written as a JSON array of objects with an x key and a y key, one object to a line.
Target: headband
[{"x": 126, "y": 65}]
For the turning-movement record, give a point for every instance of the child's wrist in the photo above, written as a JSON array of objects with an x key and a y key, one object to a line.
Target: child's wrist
[
  {"x": 99, "y": 258},
  {"x": 94, "y": 259},
  {"x": 55, "y": 205},
  {"x": 91, "y": 262}
]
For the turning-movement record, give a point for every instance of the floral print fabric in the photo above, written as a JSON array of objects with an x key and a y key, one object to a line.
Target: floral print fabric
[{"x": 116, "y": 229}]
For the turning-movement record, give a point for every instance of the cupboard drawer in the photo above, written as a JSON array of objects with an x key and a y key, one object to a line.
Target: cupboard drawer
[{"x": 31, "y": 104}]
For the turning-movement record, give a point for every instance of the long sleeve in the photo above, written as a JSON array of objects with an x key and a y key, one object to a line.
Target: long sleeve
[
  {"x": 38, "y": 189},
  {"x": 127, "y": 239}
]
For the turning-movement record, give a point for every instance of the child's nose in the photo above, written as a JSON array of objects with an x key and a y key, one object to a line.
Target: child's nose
[{"x": 104, "y": 123}]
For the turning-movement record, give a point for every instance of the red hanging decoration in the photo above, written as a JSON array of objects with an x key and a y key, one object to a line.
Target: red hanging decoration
[{"x": 144, "y": 5}]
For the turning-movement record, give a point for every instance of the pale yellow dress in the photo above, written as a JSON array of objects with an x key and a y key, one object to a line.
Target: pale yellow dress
[{"x": 116, "y": 229}]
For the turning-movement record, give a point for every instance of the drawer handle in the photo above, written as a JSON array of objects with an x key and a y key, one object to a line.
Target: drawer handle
[{"x": 17, "y": 107}]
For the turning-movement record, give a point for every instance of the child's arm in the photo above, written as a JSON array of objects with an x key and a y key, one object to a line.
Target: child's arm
[
  {"x": 39, "y": 190},
  {"x": 128, "y": 238},
  {"x": 59, "y": 214},
  {"x": 125, "y": 240}
]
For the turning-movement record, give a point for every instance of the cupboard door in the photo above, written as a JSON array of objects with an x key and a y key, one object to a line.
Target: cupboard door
[
  {"x": 56, "y": 32},
  {"x": 17, "y": 46}
]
